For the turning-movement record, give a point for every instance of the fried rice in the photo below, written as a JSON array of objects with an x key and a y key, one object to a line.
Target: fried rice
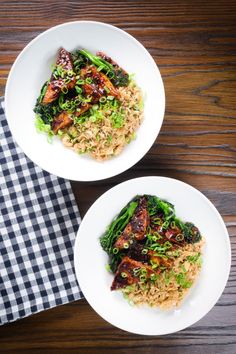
[
  {"x": 172, "y": 285},
  {"x": 104, "y": 138}
]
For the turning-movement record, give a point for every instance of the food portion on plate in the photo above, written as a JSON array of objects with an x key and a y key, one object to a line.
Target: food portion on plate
[
  {"x": 154, "y": 255},
  {"x": 91, "y": 103}
]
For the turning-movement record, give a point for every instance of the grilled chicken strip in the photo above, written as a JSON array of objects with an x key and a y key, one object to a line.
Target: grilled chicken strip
[
  {"x": 83, "y": 108},
  {"x": 61, "y": 121},
  {"x": 100, "y": 84},
  {"x": 137, "y": 226},
  {"x": 136, "y": 252},
  {"x": 126, "y": 275},
  {"x": 64, "y": 120},
  {"x": 55, "y": 86},
  {"x": 160, "y": 261}
]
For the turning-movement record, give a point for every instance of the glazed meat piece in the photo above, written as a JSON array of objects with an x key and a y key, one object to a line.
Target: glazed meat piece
[
  {"x": 159, "y": 261},
  {"x": 169, "y": 234},
  {"x": 174, "y": 236},
  {"x": 108, "y": 84},
  {"x": 127, "y": 273},
  {"x": 140, "y": 220},
  {"x": 93, "y": 91},
  {"x": 121, "y": 74},
  {"x": 83, "y": 108},
  {"x": 100, "y": 84},
  {"x": 111, "y": 61},
  {"x": 61, "y": 121},
  {"x": 137, "y": 226},
  {"x": 64, "y": 60},
  {"x": 53, "y": 91},
  {"x": 55, "y": 86},
  {"x": 136, "y": 252}
]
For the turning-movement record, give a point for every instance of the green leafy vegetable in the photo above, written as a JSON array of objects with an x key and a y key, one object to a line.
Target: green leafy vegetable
[
  {"x": 191, "y": 233},
  {"x": 45, "y": 112},
  {"x": 117, "y": 76},
  {"x": 43, "y": 91},
  {"x": 157, "y": 205}
]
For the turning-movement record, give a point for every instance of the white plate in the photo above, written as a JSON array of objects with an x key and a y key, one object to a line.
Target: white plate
[
  {"x": 90, "y": 260},
  {"x": 32, "y": 68}
]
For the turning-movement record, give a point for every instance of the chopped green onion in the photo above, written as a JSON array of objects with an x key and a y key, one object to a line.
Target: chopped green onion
[
  {"x": 173, "y": 225},
  {"x": 179, "y": 237},
  {"x": 102, "y": 99},
  {"x": 136, "y": 271},
  {"x": 157, "y": 235},
  {"x": 154, "y": 265},
  {"x": 70, "y": 73},
  {"x": 41, "y": 127},
  {"x": 88, "y": 80},
  {"x": 153, "y": 277},
  {"x": 95, "y": 107},
  {"x": 165, "y": 225},
  {"x": 195, "y": 258},
  {"x": 67, "y": 80},
  {"x": 80, "y": 82},
  {"x": 156, "y": 221},
  {"x": 143, "y": 277},
  {"x": 64, "y": 90},
  {"x": 143, "y": 271},
  {"x": 108, "y": 268},
  {"x": 167, "y": 244},
  {"x": 60, "y": 132},
  {"x": 175, "y": 253},
  {"x": 106, "y": 89},
  {"x": 115, "y": 250},
  {"x": 126, "y": 245},
  {"x": 124, "y": 275},
  {"x": 78, "y": 89},
  {"x": 183, "y": 281},
  {"x": 110, "y": 98}
]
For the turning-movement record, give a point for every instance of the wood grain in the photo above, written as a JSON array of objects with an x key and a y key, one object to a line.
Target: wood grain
[{"x": 194, "y": 45}]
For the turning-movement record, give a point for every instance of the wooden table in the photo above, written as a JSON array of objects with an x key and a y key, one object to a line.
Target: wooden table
[{"x": 194, "y": 45}]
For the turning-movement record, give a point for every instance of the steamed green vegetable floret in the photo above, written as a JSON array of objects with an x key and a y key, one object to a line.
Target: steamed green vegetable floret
[
  {"x": 156, "y": 205},
  {"x": 191, "y": 233}
]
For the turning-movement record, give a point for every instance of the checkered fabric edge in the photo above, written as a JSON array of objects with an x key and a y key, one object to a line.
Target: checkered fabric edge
[{"x": 39, "y": 220}]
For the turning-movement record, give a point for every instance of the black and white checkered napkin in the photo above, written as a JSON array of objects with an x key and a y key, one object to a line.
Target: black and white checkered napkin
[{"x": 39, "y": 219}]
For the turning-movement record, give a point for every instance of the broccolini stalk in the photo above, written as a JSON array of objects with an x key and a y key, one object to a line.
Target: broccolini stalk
[
  {"x": 117, "y": 226},
  {"x": 117, "y": 76}
]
